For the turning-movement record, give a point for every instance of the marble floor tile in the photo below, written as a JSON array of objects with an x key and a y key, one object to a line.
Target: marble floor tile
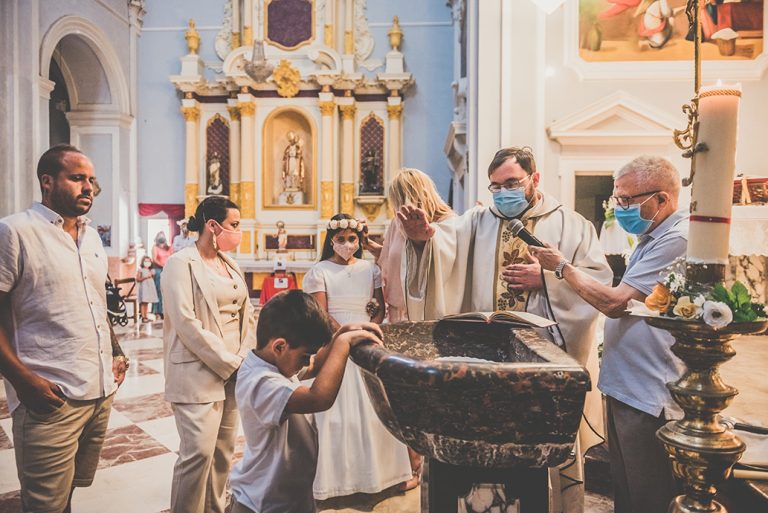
[
  {"x": 158, "y": 365},
  {"x": 143, "y": 369},
  {"x": 126, "y": 444},
  {"x": 9, "y": 479},
  {"x": 145, "y": 407},
  {"x": 117, "y": 419},
  {"x": 5, "y": 440},
  {"x": 137, "y": 386},
  {"x": 163, "y": 430},
  {"x": 144, "y": 353},
  {"x": 7, "y": 426},
  {"x": 10, "y": 502},
  {"x": 137, "y": 487}
]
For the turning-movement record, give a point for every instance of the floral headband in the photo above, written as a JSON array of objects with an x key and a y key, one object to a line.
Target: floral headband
[{"x": 345, "y": 224}]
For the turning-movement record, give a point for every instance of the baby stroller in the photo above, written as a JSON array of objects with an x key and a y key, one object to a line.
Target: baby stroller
[{"x": 116, "y": 309}]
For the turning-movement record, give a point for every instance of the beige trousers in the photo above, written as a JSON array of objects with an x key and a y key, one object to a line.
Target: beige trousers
[
  {"x": 207, "y": 434},
  {"x": 57, "y": 451}
]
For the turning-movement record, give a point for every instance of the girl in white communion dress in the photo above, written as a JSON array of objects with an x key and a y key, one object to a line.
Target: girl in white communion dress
[{"x": 356, "y": 452}]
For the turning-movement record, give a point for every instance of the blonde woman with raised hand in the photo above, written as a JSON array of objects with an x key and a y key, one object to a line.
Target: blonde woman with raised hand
[
  {"x": 209, "y": 329},
  {"x": 409, "y": 187}
]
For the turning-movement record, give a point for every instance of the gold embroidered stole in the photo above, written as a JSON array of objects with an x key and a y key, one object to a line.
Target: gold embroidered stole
[{"x": 509, "y": 250}]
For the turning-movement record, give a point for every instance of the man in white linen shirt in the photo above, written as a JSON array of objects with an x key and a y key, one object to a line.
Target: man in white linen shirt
[{"x": 56, "y": 343}]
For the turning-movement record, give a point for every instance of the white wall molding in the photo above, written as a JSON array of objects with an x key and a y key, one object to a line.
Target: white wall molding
[
  {"x": 101, "y": 46},
  {"x": 615, "y": 119},
  {"x": 99, "y": 118},
  {"x": 605, "y": 135}
]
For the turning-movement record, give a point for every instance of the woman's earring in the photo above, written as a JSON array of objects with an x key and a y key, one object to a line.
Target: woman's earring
[{"x": 215, "y": 244}]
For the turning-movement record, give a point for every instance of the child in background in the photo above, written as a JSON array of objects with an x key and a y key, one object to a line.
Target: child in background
[
  {"x": 280, "y": 457},
  {"x": 357, "y": 453},
  {"x": 145, "y": 277}
]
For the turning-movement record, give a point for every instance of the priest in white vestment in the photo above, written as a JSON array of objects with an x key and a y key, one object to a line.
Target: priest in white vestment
[{"x": 473, "y": 262}]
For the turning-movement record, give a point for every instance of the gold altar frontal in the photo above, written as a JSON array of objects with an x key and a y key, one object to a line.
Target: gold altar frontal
[{"x": 300, "y": 124}]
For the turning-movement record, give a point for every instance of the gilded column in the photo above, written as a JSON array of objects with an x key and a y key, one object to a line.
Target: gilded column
[
  {"x": 248, "y": 23},
  {"x": 247, "y": 109},
  {"x": 347, "y": 158},
  {"x": 191, "y": 113},
  {"x": 329, "y": 19},
  {"x": 234, "y": 151},
  {"x": 349, "y": 37},
  {"x": 235, "y": 24},
  {"x": 395, "y": 111},
  {"x": 327, "y": 198}
]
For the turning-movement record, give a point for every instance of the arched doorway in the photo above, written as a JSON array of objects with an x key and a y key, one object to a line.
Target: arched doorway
[{"x": 88, "y": 105}]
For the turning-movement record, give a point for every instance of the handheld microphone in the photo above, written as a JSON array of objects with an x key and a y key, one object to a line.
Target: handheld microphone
[{"x": 518, "y": 230}]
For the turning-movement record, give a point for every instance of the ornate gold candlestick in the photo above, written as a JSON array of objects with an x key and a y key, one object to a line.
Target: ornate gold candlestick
[{"x": 702, "y": 449}]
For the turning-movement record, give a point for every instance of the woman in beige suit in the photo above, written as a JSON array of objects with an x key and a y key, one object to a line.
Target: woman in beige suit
[{"x": 209, "y": 329}]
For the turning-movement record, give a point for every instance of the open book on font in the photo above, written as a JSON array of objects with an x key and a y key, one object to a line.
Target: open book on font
[{"x": 504, "y": 316}]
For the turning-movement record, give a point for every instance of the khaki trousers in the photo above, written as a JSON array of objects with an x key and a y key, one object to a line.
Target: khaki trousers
[
  {"x": 57, "y": 451},
  {"x": 207, "y": 434}
]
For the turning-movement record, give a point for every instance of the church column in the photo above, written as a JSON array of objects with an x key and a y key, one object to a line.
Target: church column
[
  {"x": 191, "y": 111},
  {"x": 247, "y": 23},
  {"x": 234, "y": 150},
  {"x": 235, "y": 24},
  {"x": 349, "y": 36},
  {"x": 329, "y": 19},
  {"x": 395, "y": 111},
  {"x": 327, "y": 197},
  {"x": 247, "y": 108},
  {"x": 348, "y": 111}
]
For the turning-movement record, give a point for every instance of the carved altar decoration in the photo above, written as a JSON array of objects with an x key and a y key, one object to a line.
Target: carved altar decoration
[
  {"x": 287, "y": 79},
  {"x": 301, "y": 119}
]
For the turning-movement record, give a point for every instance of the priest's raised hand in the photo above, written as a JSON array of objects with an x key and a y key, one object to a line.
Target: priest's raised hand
[{"x": 415, "y": 224}]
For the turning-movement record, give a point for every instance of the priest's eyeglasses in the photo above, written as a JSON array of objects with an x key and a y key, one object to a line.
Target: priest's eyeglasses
[
  {"x": 508, "y": 186},
  {"x": 626, "y": 201}
]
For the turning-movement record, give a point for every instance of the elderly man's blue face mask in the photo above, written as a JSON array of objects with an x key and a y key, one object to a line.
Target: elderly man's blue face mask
[{"x": 630, "y": 219}]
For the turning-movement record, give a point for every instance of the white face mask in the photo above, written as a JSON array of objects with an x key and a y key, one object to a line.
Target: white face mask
[
  {"x": 345, "y": 250},
  {"x": 147, "y": 264}
]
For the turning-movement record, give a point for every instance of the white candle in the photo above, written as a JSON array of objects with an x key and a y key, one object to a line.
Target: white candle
[{"x": 712, "y": 189}]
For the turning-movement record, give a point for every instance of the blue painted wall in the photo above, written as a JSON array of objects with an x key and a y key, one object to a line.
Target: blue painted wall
[{"x": 428, "y": 50}]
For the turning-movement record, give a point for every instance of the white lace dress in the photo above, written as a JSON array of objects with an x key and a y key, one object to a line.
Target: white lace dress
[{"x": 356, "y": 452}]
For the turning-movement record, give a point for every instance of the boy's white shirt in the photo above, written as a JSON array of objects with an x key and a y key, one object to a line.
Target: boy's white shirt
[{"x": 280, "y": 455}]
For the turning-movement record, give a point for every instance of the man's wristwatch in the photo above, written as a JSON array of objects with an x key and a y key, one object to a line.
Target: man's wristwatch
[{"x": 559, "y": 269}]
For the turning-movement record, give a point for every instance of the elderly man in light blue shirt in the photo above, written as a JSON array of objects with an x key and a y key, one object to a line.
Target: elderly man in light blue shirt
[{"x": 637, "y": 359}]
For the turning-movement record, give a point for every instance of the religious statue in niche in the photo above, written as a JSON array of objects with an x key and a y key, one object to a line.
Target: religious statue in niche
[
  {"x": 282, "y": 238},
  {"x": 215, "y": 184},
  {"x": 293, "y": 171},
  {"x": 371, "y": 173}
]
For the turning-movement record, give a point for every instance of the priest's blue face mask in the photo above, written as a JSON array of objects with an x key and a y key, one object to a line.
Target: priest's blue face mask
[
  {"x": 510, "y": 201},
  {"x": 630, "y": 219}
]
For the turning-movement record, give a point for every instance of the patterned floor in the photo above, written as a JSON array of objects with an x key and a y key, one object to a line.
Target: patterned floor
[{"x": 136, "y": 464}]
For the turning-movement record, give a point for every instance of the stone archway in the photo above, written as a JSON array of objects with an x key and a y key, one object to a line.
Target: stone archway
[{"x": 98, "y": 112}]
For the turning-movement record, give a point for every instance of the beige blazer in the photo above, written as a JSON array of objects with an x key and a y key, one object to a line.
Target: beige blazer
[{"x": 198, "y": 360}]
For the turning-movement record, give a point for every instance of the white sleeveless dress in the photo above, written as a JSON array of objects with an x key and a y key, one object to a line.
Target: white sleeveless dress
[{"x": 356, "y": 452}]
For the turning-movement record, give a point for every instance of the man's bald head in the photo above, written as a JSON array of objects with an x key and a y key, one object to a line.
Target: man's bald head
[{"x": 651, "y": 172}]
